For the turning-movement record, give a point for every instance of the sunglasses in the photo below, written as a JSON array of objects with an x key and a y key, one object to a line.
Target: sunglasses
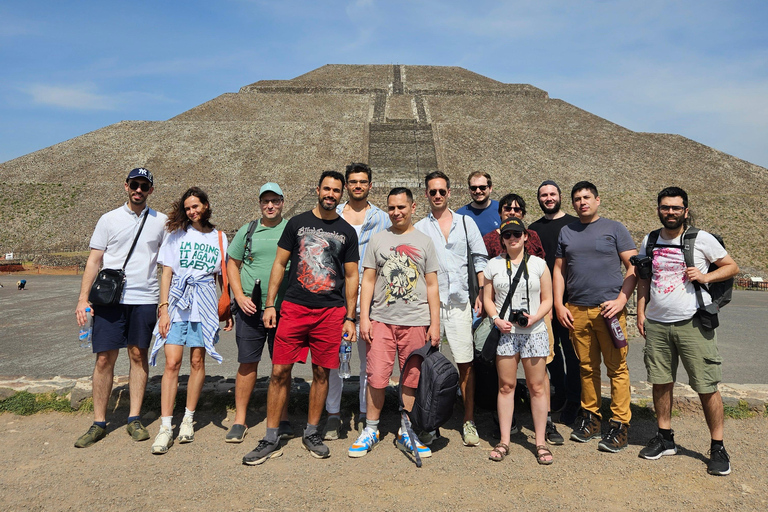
[
  {"x": 482, "y": 188},
  {"x": 135, "y": 185},
  {"x": 509, "y": 234},
  {"x": 515, "y": 209},
  {"x": 436, "y": 191}
]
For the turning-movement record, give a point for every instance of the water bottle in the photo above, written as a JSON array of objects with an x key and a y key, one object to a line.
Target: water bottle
[
  {"x": 86, "y": 332},
  {"x": 345, "y": 352},
  {"x": 614, "y": 328}
]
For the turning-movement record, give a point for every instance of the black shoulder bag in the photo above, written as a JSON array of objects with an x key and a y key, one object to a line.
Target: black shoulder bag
[
  {"x": 108, "y": 287},
  {"x": 474, "y": 286},
  {"x": 488, "y": 353}
]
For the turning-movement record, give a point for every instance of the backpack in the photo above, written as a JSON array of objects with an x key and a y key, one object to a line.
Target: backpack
[
  {"x": 248, "y": 237},
  {"x": 435, "y": 394}
]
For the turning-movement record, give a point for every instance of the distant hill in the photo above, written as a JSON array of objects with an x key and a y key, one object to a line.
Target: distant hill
[{"x": 403, "y": 120}]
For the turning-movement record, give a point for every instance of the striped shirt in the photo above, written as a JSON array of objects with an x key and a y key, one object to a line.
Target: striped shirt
[{"x": 376, "y": 220}]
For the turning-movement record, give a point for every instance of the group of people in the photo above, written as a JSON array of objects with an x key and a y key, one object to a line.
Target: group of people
[{"x": 374, "y": 276}]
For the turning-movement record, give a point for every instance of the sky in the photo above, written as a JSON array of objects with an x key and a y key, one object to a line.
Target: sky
[{"x": 694, "y": 68}]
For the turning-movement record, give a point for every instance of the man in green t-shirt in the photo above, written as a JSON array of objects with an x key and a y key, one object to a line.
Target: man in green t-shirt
[{"x": 251, "y": 255}]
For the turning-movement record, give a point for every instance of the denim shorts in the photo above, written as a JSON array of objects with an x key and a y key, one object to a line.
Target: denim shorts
[{"x": 186, "y": 334}]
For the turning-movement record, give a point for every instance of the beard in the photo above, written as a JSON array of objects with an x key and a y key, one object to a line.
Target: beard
[
  {"x": 549, "y": 211},
  {"x": 326, "y": 206},
  {"x": 672, "y": 222}
]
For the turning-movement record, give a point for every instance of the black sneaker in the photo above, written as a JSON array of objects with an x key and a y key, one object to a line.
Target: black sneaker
[
  {"x": 314, "y": 444},
  {"x": 552, "y": 435},
  {"x": 236, "y": 434},
  {"x": 263, "y": 451},
  {"x": 616, "y": 439},
  {"x": 658, "y": 447},
  {"x": 587, "y": 427},
  {"x": 719, "y": 462}
]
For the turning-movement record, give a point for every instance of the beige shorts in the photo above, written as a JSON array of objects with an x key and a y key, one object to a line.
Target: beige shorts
[{"x": 456, "y": 329}]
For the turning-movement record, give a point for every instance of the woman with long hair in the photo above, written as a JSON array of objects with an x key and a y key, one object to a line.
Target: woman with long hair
[
  {"x": 192, "y": 254},
  {"x": 523, "y": 331}
]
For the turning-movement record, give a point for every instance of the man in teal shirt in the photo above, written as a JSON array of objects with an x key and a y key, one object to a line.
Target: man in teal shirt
[{"x": 251, "y": 255}]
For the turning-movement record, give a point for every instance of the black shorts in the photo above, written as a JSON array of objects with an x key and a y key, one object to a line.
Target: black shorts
[
  {"x": 116, "y": 327},
  {"x": 250, "y": 336}
]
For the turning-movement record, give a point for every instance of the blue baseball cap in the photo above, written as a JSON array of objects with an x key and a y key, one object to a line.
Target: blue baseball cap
[{"x": 141, "y": 172}]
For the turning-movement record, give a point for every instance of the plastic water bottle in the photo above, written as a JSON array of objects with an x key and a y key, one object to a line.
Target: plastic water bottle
[
  {"x": 345, "y": 353},
  {"x": 86, "y": 332}
]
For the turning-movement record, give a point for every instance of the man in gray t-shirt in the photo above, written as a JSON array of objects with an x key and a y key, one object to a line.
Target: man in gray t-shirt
[
  {"x": 399, "y": 311},
  {"x": 589, "y": 256}
]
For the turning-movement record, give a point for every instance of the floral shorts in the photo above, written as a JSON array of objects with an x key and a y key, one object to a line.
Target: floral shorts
[{"x": 527, "y": 345}]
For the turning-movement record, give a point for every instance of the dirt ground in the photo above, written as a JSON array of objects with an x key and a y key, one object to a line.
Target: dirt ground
[{"x": 43, "y": 471}]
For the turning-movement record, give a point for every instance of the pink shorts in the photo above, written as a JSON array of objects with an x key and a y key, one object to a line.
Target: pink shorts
[
  {"x": 303, "y": 330},
  {"x": 388, "y": 339}
]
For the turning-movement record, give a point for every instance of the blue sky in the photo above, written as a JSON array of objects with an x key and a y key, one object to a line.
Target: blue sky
[{"x": 696, "y": 68}]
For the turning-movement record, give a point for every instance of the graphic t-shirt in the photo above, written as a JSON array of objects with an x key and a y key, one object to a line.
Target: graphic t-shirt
[
  {"x": 319, "y": 249},
  {"x": 673, "y": 297},
  {"x": 401, "y": 261},
  {"x": 496, "y": 272},
  {"x": 192, "y": 253}
]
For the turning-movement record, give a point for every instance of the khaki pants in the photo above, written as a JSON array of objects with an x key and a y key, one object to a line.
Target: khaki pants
[{"x": 591, "y": 340}]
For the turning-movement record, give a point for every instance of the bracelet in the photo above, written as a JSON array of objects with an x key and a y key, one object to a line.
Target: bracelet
[
  {"x": 348, "y": 319},
  {"x": 162, "y": 304},
  {"x": 267, "y": 307}
]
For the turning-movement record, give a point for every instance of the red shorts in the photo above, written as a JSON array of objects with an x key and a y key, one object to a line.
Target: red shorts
[
  {"x": 388, "y": 340},
  {"x": 302, "y": 330}
]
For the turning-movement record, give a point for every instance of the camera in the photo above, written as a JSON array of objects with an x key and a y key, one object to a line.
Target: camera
[
  {"x": 644, "y": 266},
  {"x": 516, "y": 316}
]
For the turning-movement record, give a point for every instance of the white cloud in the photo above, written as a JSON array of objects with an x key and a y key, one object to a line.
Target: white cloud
[{"x": 77, "y": 97}]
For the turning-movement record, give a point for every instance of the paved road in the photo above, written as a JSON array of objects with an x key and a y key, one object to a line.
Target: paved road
[{"x": 38, "y": 336}]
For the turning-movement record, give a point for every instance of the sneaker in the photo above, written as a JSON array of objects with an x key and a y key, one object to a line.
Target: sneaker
[
  {"x": 137, "y": 431},
  {"x": 658, "y": 447},
  {"x": 587, "y": 427},
  {"x": 427, "y": 437},
  {"x": 186, "y": 431},
  {"x": 263, "y": 451},
  {"x": 616, "y": 438},
  {"x": 332, "y": 428},
  {"x": 285, "y": 430},
  {"x": 236, "y": 433},
  {"x": 552, "y": 435},
  {"x": 366, "y": 442},
  {"x": 163, "y": 441},
  {"x": 514, "y": 429},
  {"x": 95, "y": 433},
  {"x": 314, "y": 444},
  {"x": 403, "y": 443},
  {"x": 470, "y": 434},
  {"x": 719, "y": 462}
]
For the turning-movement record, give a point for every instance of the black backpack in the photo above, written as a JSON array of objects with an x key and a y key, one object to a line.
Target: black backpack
[{"x": 435, "y": 394}]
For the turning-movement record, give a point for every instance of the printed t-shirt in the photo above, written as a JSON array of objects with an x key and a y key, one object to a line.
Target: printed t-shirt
[
  {"x": 258, "y": 263},
  {"x": 591, "y": 251},
  {"x": 487, "y": 219},
  {"x": 401, "y": 262},
  {"x": 319, "y": 249},
  {"x": 673, "y": 296},
  {"x": 496, "y": 271},
  {"x": 192, "y": 253}
]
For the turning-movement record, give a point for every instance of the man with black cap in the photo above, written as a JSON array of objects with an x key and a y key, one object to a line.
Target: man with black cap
[
  {"x": 251, "y": 254},
  {"x": 565, "y": 379},
  {"x": 128, "y": 324}
]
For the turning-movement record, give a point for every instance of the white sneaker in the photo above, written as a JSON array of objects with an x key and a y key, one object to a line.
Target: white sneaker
[
  {"x": 186, "y": 431},
  {"x": 163, "y": 441}
]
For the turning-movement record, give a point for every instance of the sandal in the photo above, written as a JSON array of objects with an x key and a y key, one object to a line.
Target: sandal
[
  {"x": 541, "y": 452},
  {"x": 499, "y": 451}
]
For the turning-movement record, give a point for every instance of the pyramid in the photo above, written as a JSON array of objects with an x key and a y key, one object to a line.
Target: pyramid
[{"x": 405, "y": 121}]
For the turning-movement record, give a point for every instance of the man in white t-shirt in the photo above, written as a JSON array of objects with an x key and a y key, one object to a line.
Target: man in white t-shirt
[
  {"x": 667, "y": 317},
  {"x": 129, "y": 324}
]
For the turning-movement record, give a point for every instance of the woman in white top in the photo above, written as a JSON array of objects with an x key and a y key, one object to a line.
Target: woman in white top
[
  {"x": 188, "y": 316},
  {"x": 525, "y": 337}
]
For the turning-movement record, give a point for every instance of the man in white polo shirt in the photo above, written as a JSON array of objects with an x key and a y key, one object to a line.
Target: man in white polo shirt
[{"x": 130, "y": 323}]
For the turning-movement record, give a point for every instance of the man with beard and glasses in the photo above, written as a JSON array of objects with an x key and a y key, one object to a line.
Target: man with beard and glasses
[
  {"x": 482, "y": 209},
  {"x": 318, "y": 309},
  {"x": 564, "y": 367},
  {"x": 367, "y": 220},
  {"x": 128, "y": 324},
  {"x": 666, "y": 317}
]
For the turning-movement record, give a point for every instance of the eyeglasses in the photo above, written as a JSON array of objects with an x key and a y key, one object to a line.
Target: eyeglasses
[
  {"x": 482, "y": 188},
  {"x": 277, "y": 201},
  {"x": 515, "y": 209},
  {"x": 358, "y": 182},
  {"x": 667, "y": 208},
  {"x": 135, "y": 185},
  {"x": 509, "y": 234},
  {"x": 436, "y": 191}
]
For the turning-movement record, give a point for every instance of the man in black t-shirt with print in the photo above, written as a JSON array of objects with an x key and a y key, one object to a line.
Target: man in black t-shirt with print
[{"x": 317, "y": 310}]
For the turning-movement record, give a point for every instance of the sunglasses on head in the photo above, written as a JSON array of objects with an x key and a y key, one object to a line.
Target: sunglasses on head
[
  {"x": 508, "y": 208},
  {"x": 509, "y": 234},
  {"x": 482, "y": 188},
  {"x": 135, "y": 185},
  {"x": 436, "y": 191}
]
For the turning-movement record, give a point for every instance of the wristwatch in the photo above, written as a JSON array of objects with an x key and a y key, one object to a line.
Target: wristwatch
[
  {"x": 348, "y": 319},
  {"x": 493, "y": 318}
]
